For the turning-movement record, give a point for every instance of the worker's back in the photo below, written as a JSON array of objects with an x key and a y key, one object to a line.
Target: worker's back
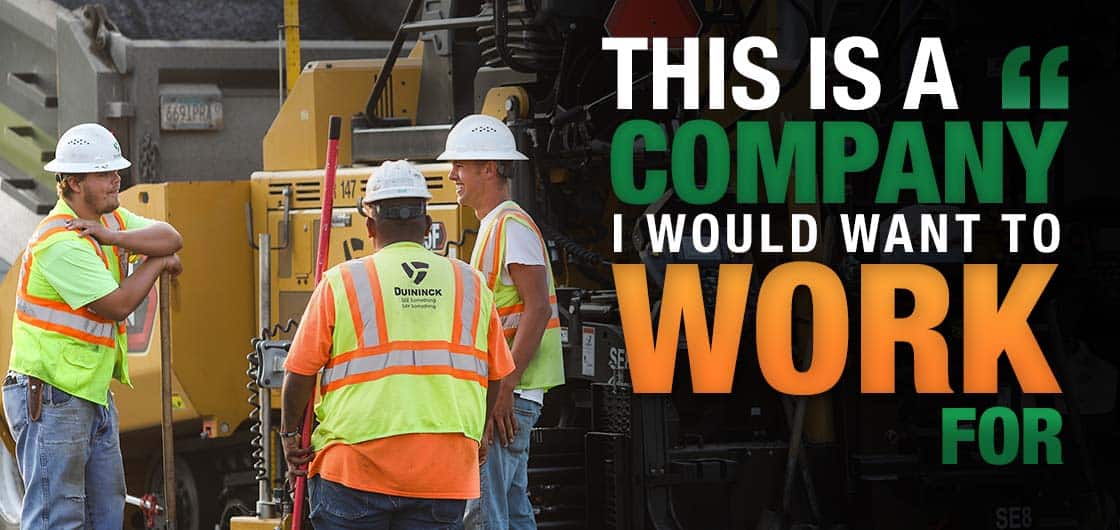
[{"x": 409, "y": 347}]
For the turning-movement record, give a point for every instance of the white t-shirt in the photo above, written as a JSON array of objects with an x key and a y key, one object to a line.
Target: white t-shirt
[{"x": 522, "y": 247}]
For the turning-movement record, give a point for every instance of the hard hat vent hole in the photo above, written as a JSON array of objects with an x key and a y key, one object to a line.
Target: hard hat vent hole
[
  {"x": 484, "y": 128},
  {"x": 78, "y": 141}
]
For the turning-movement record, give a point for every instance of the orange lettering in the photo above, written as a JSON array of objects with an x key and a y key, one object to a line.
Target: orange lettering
[
  {"x": 775, "y": 323},
  {"x": 880, "y": 329},
  {"x": 712, "y": 363},
  {"x": 993, "y": 329}
]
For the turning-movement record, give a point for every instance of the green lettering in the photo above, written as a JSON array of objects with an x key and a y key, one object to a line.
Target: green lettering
[
  {"x": 837, "y": 160},
  {"x": 953, "y": 434},
  {"x": 622, "y": 162},
  {"x": 756, "y": 149},
  {"x": 1035, "y": 435},
  {"x": 684, "y": 162},
  {"x": 907, "y": 137},
  {"x": 1010, "y": 449},
  {"x": 961, "y": 155},
  {"x": 1036, "y": 157}
]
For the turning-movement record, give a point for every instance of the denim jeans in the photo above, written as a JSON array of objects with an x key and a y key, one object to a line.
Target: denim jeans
[
  {"x": 70, "y": 459},
  {"x": 337, "y": 507},
  {"x": 505, "y": 478}
]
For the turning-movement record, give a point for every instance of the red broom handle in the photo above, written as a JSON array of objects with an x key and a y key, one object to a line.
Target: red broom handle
[{"x": 320, "y": 266}]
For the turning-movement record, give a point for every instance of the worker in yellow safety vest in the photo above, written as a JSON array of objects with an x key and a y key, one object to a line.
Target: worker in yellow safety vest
[
  {"x": 406, "y": 345},
  {"x": 512, "y": 255},
  {"x": 68, "y": 339}
]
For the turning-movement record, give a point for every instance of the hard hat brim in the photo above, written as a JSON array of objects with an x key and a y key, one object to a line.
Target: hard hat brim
[
  {"x": 54, "y": 166},
  {"x": 481, "y": 155}
]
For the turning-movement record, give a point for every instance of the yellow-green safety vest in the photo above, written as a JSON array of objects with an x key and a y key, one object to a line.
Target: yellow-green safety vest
[
  {"x": 409, "y": 348},
  {"x": 546, "y": 370},
  {"x": 75, "y": 350}
]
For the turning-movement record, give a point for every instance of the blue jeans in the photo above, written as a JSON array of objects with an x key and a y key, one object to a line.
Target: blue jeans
[
  {"x": 337, "y": 507},
  {"x": 505, "y": 478},
  {"x": 70, "y": 459}
]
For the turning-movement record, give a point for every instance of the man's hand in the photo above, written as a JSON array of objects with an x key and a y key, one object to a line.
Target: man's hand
[
  {"x": 172, "y": 265},
  {"x": 94, "y": 229},
  {"x": 296, "y": 457},
  {"x": 503, "y": 417},
  {"x": 484, "y": 444}
]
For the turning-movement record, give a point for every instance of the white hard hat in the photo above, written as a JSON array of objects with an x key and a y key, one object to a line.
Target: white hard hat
[
  {"x": 396, "y": 179},
  {"x": 481, "y": 137},
  {"x": 87, "y": 148}
]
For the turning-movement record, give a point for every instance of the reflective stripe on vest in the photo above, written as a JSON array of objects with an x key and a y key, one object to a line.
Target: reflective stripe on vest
[
  {"x": 52, "y": 315},
  {"x": 113, "y": 221},
  {"x": 511, "y": 317},
  {"x": 401, "y": 361},
  {"x": 467, "y": 305},
  {"x": 376, "y": 357},
  {"x": 364, "y": 295},
  {"x": 491, "y": 267}
]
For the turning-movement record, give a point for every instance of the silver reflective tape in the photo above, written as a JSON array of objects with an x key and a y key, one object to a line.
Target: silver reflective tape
[
  {"x": 489, "y": 249},
  {"x": 397, "y": 358},
  {"x": 470, "y": 303},
  {"x": 513, "y": 320},
  {"x": 54, "y": 316},
  {"x": 366, "y": 306},
  {"x": 45, "y": 227},
  {"x": 110, "y": 221}
]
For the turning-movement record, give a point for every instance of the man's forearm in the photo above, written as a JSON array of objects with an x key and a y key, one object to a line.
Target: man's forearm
[
  {"x": 527, "y": 339},
  {"x": 118, "y": 304},
  {"x": 294, "y": 395},
  {"x": 159, "y": 239},
  {"x": 493, "y": 390}
]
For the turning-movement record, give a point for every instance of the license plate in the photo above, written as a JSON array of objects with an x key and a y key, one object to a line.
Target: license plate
[{"x": 190, "y": 113}]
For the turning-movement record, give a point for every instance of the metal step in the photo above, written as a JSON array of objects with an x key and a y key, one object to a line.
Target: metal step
[{"x": 25, "y": 190}]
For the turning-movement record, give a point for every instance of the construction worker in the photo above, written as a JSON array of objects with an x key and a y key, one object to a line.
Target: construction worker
[
  {"x": 68, "y": 340},
  {"x": 511, "y": 254},
  {"x": 407, "y": 343}
]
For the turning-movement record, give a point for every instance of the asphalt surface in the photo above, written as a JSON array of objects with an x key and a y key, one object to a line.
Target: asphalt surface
[{"x": 250, "y": 20}]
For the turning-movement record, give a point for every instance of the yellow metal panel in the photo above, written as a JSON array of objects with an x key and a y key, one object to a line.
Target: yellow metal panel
[
  {"x": 495, "y": 102},
  {"x": 293, "y": 266},
  {"x": 212, "y": 307},
  {"x": 7, "y": 305},
  {"x": 297, "y": 138}
]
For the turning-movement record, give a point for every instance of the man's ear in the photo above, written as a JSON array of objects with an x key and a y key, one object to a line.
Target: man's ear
[
  {"x": 371, "y": 228},
  {"x": 72, "y": 183},
  {"x": 427, "y": 224},
  {"x": 491, "y": 169}
]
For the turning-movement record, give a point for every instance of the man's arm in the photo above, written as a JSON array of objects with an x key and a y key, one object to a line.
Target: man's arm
[
  {"x": 493, "y": 390},
  {"x": 531, "y": 282},
  {"x": 310, "y": 351},
  {"x": 294, "y": 396},
  {"x": 157, "y": 239},
  {"x": 118, "y": 304}
]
